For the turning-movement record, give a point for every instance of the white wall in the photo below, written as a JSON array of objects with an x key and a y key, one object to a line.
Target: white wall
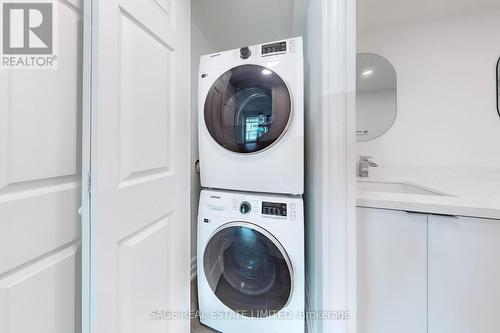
[
  {"x": 232, "y": 24},
  {"x": 446, "y": 91}
]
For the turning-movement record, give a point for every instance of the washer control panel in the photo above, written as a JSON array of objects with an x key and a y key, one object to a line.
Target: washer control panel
[
  {"x": 274, "y": 208},
  {"x": 250, "y": 207}
]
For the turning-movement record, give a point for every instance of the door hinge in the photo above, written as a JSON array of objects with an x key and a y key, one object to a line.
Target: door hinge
[{"x": 89, "y": 183}]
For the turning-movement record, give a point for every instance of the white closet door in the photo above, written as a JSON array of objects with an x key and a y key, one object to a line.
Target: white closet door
[
  {"x": 140, "y": 159},
  {"x": 40, "y": 189}
]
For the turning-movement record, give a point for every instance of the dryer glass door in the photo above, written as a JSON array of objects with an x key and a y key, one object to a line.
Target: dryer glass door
[
  {"x": 247, "y": 109},
  {"x": 248, "y": 270}
]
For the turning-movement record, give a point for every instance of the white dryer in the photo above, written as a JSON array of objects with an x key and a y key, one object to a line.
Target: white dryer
[
  {"x": 251, "y": 118},
  {"x": 251, "y": 262}
]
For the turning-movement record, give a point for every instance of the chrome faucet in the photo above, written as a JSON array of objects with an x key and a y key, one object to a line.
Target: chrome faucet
[{"x": 364, "y": 166}]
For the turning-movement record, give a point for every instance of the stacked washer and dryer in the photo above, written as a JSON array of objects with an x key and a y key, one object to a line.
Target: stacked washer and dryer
[{"x": 251, "y": 220}]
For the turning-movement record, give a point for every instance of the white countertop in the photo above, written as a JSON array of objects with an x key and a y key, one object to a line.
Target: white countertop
[{"x": 474, "y": 192}]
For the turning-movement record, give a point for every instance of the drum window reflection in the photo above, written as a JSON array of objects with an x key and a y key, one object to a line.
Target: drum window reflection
[
  {"x": 247, "y": 109},
  {"x": 247, "y": 271}
]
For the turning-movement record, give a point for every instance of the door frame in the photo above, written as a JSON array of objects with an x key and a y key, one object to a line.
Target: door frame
[
  {"x": 331, "y": 165},
  {"x": 86, "y": 210},
  {"x": 339, "y": 112}
]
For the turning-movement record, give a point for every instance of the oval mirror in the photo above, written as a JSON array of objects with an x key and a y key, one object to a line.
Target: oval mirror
[{"x": 376, "y": 96}]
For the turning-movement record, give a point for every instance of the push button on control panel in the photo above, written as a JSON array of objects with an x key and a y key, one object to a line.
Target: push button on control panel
[{"x": 293, "y": 214}]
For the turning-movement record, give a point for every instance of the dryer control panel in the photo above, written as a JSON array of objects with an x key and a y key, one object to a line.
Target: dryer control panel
[{"x": 268, "y": 49}]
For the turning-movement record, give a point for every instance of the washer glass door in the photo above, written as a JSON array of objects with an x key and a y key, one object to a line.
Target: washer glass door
[
  {"x": 247, "y": 109},
  {"x": 248, "y": 270}
]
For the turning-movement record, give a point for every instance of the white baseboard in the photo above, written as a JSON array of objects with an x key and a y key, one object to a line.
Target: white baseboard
[{"x": 193, "y": 268}]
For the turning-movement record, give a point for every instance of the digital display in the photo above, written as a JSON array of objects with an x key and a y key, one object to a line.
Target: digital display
[
  {"x": 274, "y": 208},
  {"x": 273, "y": 48}
]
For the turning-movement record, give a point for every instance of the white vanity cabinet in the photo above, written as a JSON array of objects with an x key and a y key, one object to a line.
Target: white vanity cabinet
[
  {"x": 464, "y": 275},
  {"x": 421, "y": 273},
  {"x": 392, "y": 271}
]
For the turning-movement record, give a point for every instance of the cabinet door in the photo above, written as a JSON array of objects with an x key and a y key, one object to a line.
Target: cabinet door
[
  {"x": 392, "y": 271},
  {"x": 464, "y": 275}
]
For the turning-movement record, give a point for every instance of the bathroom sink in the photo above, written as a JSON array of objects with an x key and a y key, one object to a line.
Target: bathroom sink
[{"x": 394, "y": 187}]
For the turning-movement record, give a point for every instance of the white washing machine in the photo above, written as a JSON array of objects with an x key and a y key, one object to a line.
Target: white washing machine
[
  {"x": 251, "y": 118},
  {"x": 251, "y": 262}
]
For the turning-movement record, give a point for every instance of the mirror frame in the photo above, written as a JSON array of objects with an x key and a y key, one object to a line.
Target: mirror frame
[{"x": 498, "y": 86}]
